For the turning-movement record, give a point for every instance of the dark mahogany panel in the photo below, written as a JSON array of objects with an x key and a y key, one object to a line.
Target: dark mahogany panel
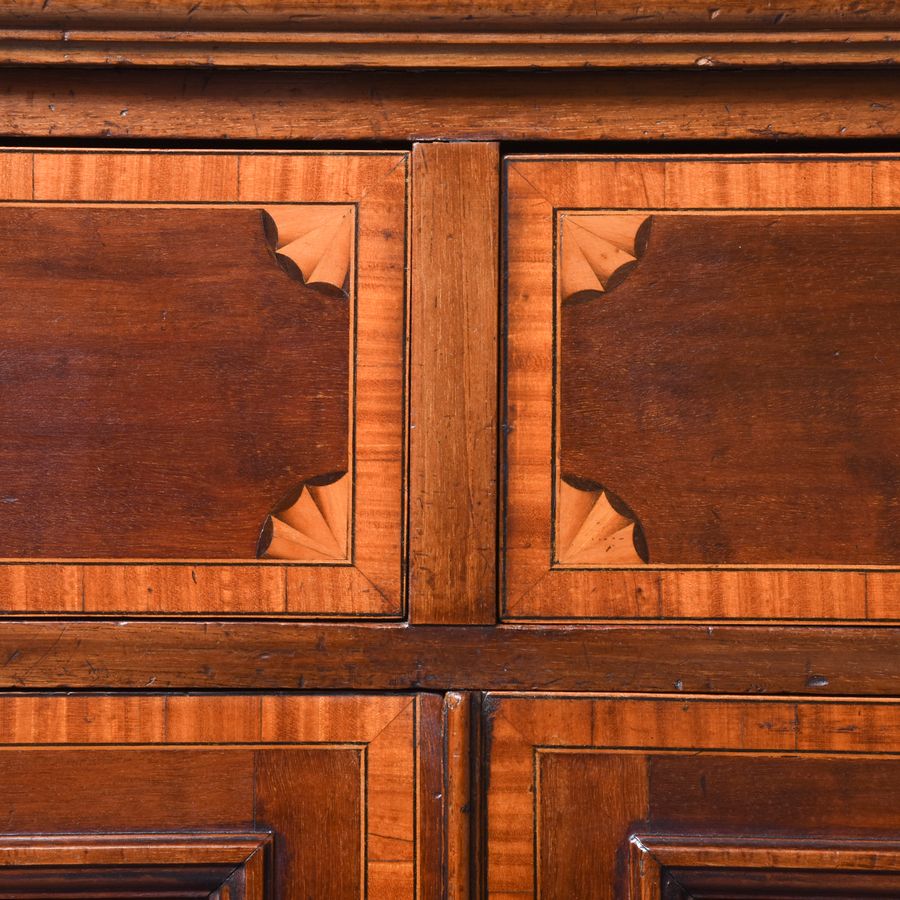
[
  {"x": 297, "y": 787},
  {"x": 113, "y": 882},
  {"x": 165, "y": 383},
  {"x": 746, "y": 884},
  {"x": 792, "y": 797},
  {"x": 738, "y": 390}
]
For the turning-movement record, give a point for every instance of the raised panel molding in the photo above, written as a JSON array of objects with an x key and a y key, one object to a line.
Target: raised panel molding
[
  {"x": 701, "y": 380},
  {"x": 216, "y": 866},
  {"x": 692, "y": 868},
  {"x": 223, "y": 385}
]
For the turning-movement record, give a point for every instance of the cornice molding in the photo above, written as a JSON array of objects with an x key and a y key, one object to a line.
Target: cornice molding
[{"x": 555, "y": 48}]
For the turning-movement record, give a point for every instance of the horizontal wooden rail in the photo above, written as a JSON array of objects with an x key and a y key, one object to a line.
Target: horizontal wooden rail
[{"x": 290, "y": 656}]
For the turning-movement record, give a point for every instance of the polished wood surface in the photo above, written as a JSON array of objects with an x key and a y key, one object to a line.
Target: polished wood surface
[
  {"x": 744, "y": 379},
  {"x": 681, "y": 782},
  {"x": 463, "y": 791},
  {"x": 448, "y": 48},
  {"x": 265, "y": 765},
  {"x": 468, "y": 15},
  {"x": 137, "y": 375},
  {"x": 575, "y": 781},
  {"x": 221, "y": 105},
  {"x": 152, "y": 375},
  {"x": 523, "y": 33},
  {"x": 579, "y": 233},
  {"x": 453, "y": 433},
  {"x": 220, "y": 866},
  {"x": 689, "y": 867},
  {"x": 767, "y": 659}
]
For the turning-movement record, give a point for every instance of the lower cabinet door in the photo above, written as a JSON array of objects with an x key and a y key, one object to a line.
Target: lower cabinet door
[
  {"x": 644, "y": 798},
  {"x": 228, "y": 797}
]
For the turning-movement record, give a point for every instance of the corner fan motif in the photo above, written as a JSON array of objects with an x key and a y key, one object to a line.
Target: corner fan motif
[
  {"x": 316, "y": 240},
  {"x": 596, "y": 253},
  {"x": 313, "y": 523}
]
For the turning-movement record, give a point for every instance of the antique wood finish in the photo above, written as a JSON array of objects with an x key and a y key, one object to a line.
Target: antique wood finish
[
  {"x": 453, "y": 435},
  {"x": 778, "y": 403},
  {"x": 655, "y": 658},
  {"x": 390, "y": 106},
  {"x": 691, "y": 867},
  {"x": 107, "y": 357},
  {"x": 446, "y": 49},
  {"x": 470, "y": 34},
  {"x": 313, "y": 313},
  {"x": 472, "y": 16},
  {"x": 463, "y": 809},
  {"x": 584, "y": 790},
  {"x": 218, "y": 866},
  {"x": 722, "y": 422},
  {"x": 265, "y": 766},
  {"x": 185, "y": 435}
]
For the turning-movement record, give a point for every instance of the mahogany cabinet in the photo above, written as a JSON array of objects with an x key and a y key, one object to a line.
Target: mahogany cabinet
[{"x": 449, "y": 450}]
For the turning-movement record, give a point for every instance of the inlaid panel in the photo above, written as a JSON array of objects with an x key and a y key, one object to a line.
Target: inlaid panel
[
  {"x": 608, "y": 797},
  {"x": 244, "y": 797},
  {"x": 203, "y": 401},
  {"x": 703, "y": 382}
]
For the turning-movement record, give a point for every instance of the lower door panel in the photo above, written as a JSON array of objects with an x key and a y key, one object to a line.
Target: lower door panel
[
  {"x": 238, "y": 797},
  {"x": 645, "y": 798}
]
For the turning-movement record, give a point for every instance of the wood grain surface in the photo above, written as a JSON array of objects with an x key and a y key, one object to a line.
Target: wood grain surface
[
  {"x": 231, "y": 866},
  {"x": 161, "y": 377},
  {"x": 352, "y": 530},
  {"x": 738, "y": 389},
  {"x": 463, "y": 792},
  {"x": 297, "y": 656},
  {"x": 469, "y": 15},
  {"x": 521, "y": 33},
  {"x": 760, "y": 867},
  {"x": 576, "y": 780},
  {"x": 550, "y": 574},
  {"x": 453, "y": 402},
  {"x": 219, "y": 104},
  {"x": 268, "y": 765},
  {"x": 443, "y": 49}
]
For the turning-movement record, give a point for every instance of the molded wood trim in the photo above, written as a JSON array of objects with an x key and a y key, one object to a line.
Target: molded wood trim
[
  {"x": 445, "y": 49},
  {"x": 625, "y": 733}
]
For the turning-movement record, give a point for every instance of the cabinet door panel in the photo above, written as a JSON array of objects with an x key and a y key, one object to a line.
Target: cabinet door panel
[
  {"x": 308, "y": 796},
  {"x": 703, "y": 382},
  {"x": 202, "y": 362},
  {"x": 638, "y": 797}
]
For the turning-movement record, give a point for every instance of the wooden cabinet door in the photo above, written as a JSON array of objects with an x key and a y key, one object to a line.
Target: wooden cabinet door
[
  {"x": 203, "y": 383},
  {"x": 702, "y": 388},
  {"x": 646, "y": 798},
  {"x": 234, "y": 797}
]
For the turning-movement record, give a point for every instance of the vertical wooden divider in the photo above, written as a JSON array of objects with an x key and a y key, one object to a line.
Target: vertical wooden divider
[
  {"x": 453, "y": 394},
  {"x": 462, "y": 795}
]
